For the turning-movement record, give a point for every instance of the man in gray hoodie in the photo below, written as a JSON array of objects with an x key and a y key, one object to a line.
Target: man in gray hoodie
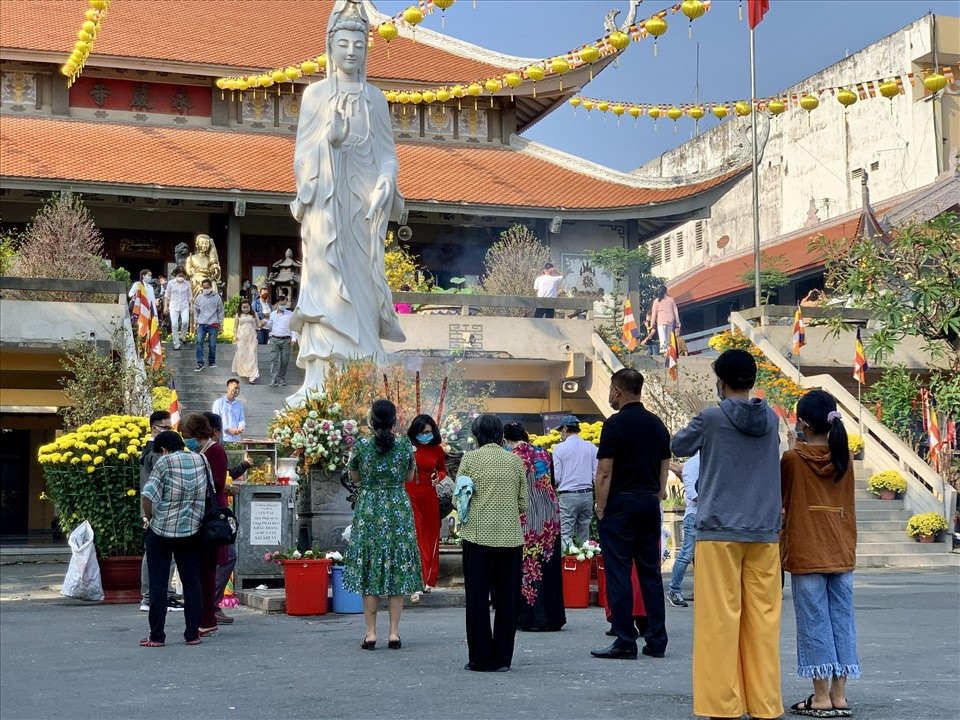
[
  {"x": 736, "y": 619},
  {"x": 208, "y": 314}
]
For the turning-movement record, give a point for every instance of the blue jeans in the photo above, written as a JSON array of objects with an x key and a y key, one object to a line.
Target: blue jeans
[
  {"x": 826, "y": 632},
  {"x": 685, "y": 557},
  {"x": 207, "y": 335}
]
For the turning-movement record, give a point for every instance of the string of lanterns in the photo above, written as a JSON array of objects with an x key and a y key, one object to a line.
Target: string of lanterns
[
  {"x": 933, "y": 80},
  {"x": 89, "y": 30}
]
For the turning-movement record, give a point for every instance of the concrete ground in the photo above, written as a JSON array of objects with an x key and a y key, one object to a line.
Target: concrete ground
[{"x": 60, "y": 658}]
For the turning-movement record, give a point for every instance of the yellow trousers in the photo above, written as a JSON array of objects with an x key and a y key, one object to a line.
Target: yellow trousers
[{"x": 736, "y": 630}]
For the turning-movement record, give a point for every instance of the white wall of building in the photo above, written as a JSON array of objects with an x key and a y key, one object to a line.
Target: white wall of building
[{"x": 812, "y": 162}]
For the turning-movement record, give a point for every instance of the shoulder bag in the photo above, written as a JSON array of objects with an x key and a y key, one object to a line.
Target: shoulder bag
[{"x": 219, "y": 525}]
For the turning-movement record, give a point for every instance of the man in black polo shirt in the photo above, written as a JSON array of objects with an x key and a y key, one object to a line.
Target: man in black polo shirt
[{"x": 633, "y": 461}]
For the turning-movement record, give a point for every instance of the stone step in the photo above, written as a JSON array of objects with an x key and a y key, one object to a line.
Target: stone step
[
  {"x": 909, "y": 561},
  {"x": 897, "y": 534},
  {"x": 909, "y": 547},
  {"x": 891, "y": 526},
  {"x": 881, "y": 514},
  {"x": 876, "y": 503}
]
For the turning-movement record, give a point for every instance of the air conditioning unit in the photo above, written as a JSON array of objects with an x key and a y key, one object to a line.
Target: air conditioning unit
[
  {"x": 569, "y": 386},
  {"x": 404, "y": 233}
]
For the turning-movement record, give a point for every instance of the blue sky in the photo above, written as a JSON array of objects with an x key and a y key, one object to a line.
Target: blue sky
[{"x": 796, "y": 39}]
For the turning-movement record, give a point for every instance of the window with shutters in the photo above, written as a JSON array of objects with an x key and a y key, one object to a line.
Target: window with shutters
[
  {"x": 666, "y": 248},
  {"x": 654, "y": 247},
  {"x": 698, "y": 235},
  {"x": 857, "y": 173},
  {"x": 679, "y": 243},
  {"x": 874, "y": 166}
]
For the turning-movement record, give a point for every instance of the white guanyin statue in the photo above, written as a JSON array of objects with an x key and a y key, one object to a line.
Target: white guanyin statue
[{"x": 345, "y": 165}]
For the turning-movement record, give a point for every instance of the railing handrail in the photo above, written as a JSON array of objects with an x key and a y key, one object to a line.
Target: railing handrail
[
  {"x": 927, "y": 491},
  {"x": 110, "y": 287},
  {"x": 498, "y": 301},
  {"x": 821, "y": 311},
  {"x": 709, "y": 332}
]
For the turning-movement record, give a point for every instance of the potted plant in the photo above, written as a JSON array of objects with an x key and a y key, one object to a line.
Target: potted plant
[
  {"x": 93, "y": 474},
  {"x": 925, "y": 526},
  {"x": 855, "y": 443},
  {"x": 306, "y": 579},
  {"x": 887, "y": 484},
  {"x": 576, "y": 561}
]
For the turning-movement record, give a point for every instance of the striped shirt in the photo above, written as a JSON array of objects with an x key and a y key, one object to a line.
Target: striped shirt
[
  {"x": 499, "y": 496},
  {"x": 177, "y": 488}
]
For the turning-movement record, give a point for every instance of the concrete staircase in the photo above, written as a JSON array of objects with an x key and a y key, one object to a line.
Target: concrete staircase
[
  {"x": 882, "y": 539},
  {"x": 197, "y": 391}
]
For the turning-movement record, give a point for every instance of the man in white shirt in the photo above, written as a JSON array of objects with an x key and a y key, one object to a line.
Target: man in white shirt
[
  {"x": 231, "y": 413},
  {"x": 177, "y": 306},
  {"x": 690, "y": 472},
  {"x": 574, "y": 470},
  {"x": 278, "y": 325},
  {"x": 546, "y": 285}
]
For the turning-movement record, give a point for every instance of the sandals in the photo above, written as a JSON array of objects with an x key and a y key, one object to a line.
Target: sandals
[
  {"x": 368, "y": 645},
  {"x": 147, "y": 642},
  {"x": 195, "y": 641},
  {"x": 806, "y": 708},
  {"x": 415, "y": 598},
  {"x": 208, "y": 631},
  {"x": 843, "y": 712},
  {"x": 395, "y": 644}
]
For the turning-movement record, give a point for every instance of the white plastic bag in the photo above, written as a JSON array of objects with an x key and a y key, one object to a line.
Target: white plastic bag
[{"x": 83, "y": 574}]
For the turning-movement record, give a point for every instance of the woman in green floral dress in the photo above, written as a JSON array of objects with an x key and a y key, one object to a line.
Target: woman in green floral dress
[{"x": 382, "y": 557}]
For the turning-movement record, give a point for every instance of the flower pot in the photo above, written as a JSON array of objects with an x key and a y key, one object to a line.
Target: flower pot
[
  {"x": 344, "y": 601},
  {"x": 888, "y": 495},
  {"x": 306, "y": 583},
  {"x": 926, "y": 538},
  {"x": 121, "y": 579},
  {"x": 576, "y": 582},
  {"x": 858, "y": 455}
]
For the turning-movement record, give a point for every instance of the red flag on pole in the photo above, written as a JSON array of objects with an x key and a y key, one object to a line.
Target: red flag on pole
[
  {"x": 757, "y": 9},
  {"x": 860, "y": 366},
  {"x": 673, "y": 354},
  {"x": 174, "y": 406}
]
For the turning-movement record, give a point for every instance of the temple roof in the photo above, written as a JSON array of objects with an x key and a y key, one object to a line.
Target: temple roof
[
  {"x": 213, "y": 36},
  {"x": 226, "y": 163}
]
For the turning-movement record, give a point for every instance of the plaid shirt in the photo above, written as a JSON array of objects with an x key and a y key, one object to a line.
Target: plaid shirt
[
  {"x": 500, "y": 496},
  {"x": 178, "y": 489}
]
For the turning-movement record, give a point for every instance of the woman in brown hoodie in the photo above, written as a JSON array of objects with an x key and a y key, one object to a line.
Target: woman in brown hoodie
[{"x": 818, "y": 547}]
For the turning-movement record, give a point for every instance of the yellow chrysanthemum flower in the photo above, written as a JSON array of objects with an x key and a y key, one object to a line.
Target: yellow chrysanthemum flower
[
  {"x": 131, "y": 492},
  {"x": 86, "y": 457},
  {"x": 123, "y": 456},
  {"x": 98, "y": 460},
  {"x": 90, "y": 468}
]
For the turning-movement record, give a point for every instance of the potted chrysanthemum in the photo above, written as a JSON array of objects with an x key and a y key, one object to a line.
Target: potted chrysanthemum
[
  {"x": 925, "y": 526},
  {"x": 887, "y": 484}
]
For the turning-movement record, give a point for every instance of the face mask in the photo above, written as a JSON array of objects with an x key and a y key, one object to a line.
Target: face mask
[
  {"x": 192, "y": 444},
  {"x": 179, "y": 278},
  {"x": 245, "y": 309},
  {"x": 148, "y": 278},
  {"x": 282, "y": 308},
  {"x": 424, "y": 438},
  {"x": 208, "y": 291}
]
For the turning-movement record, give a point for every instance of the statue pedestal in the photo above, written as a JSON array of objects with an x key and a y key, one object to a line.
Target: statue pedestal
[{"x": 323, "y": 511}]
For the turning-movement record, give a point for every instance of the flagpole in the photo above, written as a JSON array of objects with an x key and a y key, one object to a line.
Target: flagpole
[
  {"x": 756, "y": 189},
  {"x": 860, "y": 408}
]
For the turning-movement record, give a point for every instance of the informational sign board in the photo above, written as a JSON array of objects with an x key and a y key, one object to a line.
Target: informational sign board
[{"x": 266, "y": 523}]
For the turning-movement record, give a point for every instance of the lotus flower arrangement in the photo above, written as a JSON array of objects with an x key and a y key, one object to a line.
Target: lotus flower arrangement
[{"x": 583, "y": 552}]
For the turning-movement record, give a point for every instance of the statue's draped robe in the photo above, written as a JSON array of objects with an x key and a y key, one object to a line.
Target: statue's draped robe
[{"x": 345, "y": 306}]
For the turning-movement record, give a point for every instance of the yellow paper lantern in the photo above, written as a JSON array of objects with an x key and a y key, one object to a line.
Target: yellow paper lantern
[
  {"x": 618, "y": 40},
  {"x": 889, "y": 89},
  {"x": 242, "y": 85},
  {"x": 443, "y": 5},
  {"x": 429, "y": 96},
  {"x": 589, "y": 105},
  {"x": 742, "y": 108},
  {"x": 391, "y": 96},
  {"x": 81, "y": 47},
  {"x": 98, "y": 4},
  {"x": 674, "y": 113},
  {"x": 414, "y": 16},
  {"x": 589, "y": 54},
  {"x": 416, "y": 98},
  {"x": 89, "y": 26},
  {"x": 403, "y": 98},
  {"x": 692, "y": 9},
  {"x": 278, "y": 76},
  {"x": 535, "y": 73},
  {"x": 388, "y": 31},
  {"x": 221, "y": 83},
  {"x": 291, "y": 73},
  {"x": 809, "y": 103},
  {"x": 575, "y": 101},
  {"x": 559, "y": 65},
  {"x": 92, "y": 14},
  {"x": 634, "y": 112},
  {"x": 458, "y": 91},
  {"x": 266, "y": 81},
  {"x": 603, "y": 106},
  {"x": 84, "y": 36},
  {"x": 253, "y": 81},
  {"x": 321, "y": 61},
  {"x": 474, "y": 89},
  {"x": 513, "y": 80},
  {"x": 308, "y": 67},
  {"x": 491, "y": 85},
  {"x": 618, "y": 110},
  {"x": 67, "y": 69},
  {"x": 656, "y": 26},
  {"x": 443, "y": 95},
  {"x": 935, "y": 82},
  {"x": 654, "y": 112},
  {"x": 720, "y": 111},
  {"x": 776, "y": 107},
  {"x": 846, "y": 97}
]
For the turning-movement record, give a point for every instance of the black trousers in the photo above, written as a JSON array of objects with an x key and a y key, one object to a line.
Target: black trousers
[
  {"x": 160, "y": 551},
  {"x": 491, "y": 569},
  {"x": 630, "y": 532},
  {"x": 544, "y": 313}
]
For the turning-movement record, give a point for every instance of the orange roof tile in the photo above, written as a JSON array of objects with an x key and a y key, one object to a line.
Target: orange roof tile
[
  {"x": 85, "y": 151},
  {"x": 263, "y": 34},
  {"x": 723, "y": 278}
]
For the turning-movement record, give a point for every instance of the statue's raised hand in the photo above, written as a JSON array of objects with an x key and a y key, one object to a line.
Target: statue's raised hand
[{"x": 340, "y": 124}]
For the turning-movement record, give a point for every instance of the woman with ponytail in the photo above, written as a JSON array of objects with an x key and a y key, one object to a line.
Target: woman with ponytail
[
  {"x": 382, "y": 557},
  {"x": 818, "y": 547}
]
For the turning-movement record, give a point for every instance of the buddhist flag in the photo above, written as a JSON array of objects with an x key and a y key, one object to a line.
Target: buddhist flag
[
  {"x": 174, "y": 406},
  {"x": 629, "y": 327},
  {"x": 673, "y": 353},
  {"x": 153, "y": 347},
  {"x": 933, "y": 429},
  {"x": 757, "y": 9},
  {"x": 860, "y": 366},
  {"x": 799, "y": 339},
  {"x": 143, "y": 309}
]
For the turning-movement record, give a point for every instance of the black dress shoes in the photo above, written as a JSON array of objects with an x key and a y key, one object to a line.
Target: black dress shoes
[
  {"x": 652, "y": 653},
  {"x": 615, "y": 652}
]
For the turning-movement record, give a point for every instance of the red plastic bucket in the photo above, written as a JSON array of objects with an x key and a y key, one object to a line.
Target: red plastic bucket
[
  {"x": 306, "y": 583},
  {"x": 576, "y": 582},
  {"x": 601, "y": 583}
]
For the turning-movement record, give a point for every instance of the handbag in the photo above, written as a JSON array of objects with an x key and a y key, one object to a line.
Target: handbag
[
  {"x": 445, "y": 496},
  {"x": 219, "y": 525}
]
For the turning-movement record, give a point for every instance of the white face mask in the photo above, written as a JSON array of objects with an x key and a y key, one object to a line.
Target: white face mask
[
  {"x": 208, "y": 291},
  {"x": 179, "y": 278}
]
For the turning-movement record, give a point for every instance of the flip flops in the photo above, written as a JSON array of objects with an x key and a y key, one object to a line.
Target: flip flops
[{"x": 806, "y": 708}]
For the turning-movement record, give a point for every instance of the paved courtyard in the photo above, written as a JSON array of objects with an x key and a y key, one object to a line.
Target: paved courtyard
[{"x": 61, "y": 659}]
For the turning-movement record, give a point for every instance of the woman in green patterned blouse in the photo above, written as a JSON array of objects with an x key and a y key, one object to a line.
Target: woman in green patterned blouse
[
  {"x": 382, "y": 558},
  {"x": 492, "y": 546}
]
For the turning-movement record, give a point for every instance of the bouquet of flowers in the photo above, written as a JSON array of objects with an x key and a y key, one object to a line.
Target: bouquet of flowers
[
  {"x": 586, "y": 551},
  {"x": 315, "y": 430},
  {"x": 315, "y": 553},
  {"x": 455, "y": 435}
]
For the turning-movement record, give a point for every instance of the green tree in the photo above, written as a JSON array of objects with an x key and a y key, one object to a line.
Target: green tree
[
  {"x": 772, "y": 277},
  {"x": 8, "y": 250},
  {"x": 910, "y": 283},
  {"x": 624, "y": 265}
]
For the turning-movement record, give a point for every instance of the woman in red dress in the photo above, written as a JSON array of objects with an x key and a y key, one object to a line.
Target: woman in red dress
[{"x": 431, "y": 469}]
